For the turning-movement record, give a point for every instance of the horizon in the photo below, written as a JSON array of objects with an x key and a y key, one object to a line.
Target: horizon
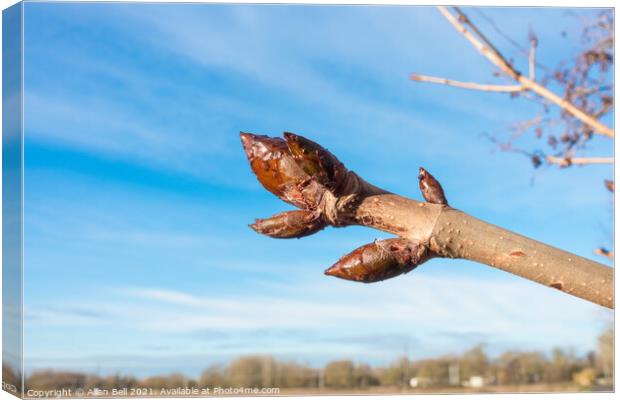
[{"x": 197, "y": 372}]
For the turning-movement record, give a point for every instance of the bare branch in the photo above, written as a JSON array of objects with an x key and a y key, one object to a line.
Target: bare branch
[
  {"x": 486, "y": 48},
  {"x": 568, "y": 106},
  {"x": 532, "y": 62},
  {"x": 594, "y": 89},
  {"x": 308, "y": 176},
  {"x": 509, "y": 39},
  {"x": 467, "y": 85},
  {"x": 568, "y": 161}
]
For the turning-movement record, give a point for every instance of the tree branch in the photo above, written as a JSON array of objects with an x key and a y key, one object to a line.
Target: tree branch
[
  {"x": 483, "y": 45},
  {"x": 568, "y": 161},
  {"x": 467, "y": 85},
  {"x": 486, "y": 48},
  {"x": 532, "y": 61},
  {"x": 306, "y": 175}
]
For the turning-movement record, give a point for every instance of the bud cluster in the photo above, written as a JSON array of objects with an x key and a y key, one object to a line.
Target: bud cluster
[{"x": 303, "y": 173}]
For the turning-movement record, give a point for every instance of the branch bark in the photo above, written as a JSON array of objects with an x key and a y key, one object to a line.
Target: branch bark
[
  {"x": 467, "y": 85},
  {"x": 310, "y": 177},
  {"x": 532, "y": 60},
  {"x": 568, "y": 161},
  {"x": 455, "y": 234},
  {"x": 486, "y": 48}
]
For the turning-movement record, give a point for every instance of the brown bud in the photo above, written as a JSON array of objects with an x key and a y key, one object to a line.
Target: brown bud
[
  {"x": 431, "y": 188},
  {"x": 290, "y": 224},
  {"x": 275, "y": 167},
  {"x": 380, "y": 260},
  {"x": 318, "y": 162},
  {"x": 609, "y": 185}
]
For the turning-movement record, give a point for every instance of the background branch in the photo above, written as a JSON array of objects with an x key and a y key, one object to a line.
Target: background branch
[
  {"x": 467, "y": 85},
  {"x": 568, "y": 161},
  {"x": 532, "y": 61},
  {"x": 486, "y": 48}
]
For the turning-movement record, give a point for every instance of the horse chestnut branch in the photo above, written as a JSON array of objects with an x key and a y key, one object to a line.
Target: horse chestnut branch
[{"x": 309, "y": 177}]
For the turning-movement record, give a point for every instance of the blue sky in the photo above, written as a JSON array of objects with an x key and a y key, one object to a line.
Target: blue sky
[{"x": 138, "y": 194}]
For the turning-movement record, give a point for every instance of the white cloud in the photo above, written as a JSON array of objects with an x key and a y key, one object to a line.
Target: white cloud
[
  {"x": 507, "y": 311},
  {"x": 283, "y": 53}
]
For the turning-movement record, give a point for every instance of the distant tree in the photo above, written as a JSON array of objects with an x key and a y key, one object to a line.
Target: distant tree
[
  {"x": 213, "y": 376},
  {"x": 165, "y": 381},
  {"x": 115, "y": 381},
  {"x": 252, "y": 371},
  {"x": 474, "y": 363},
  {"x": 50, "y": 380},
  {"x": 605, "y": 354},
  {"x": 591, "y": 359},
  {"x": 520, "y": 368},
  {"x": 561, "y": 366},
  {"x": 395, "y": 373},
  {"x": 10, "y": 377},
  {"x": 436, "y": 371},
  {"x": 365, "y": 376},
  {"x": 340, "y": 374},
  {"x": 293, "y": 375},
  {"x": 585, "y": 377}
]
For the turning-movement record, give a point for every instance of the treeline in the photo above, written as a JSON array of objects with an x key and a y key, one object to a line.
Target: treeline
[{"x": 472, "y": 368}]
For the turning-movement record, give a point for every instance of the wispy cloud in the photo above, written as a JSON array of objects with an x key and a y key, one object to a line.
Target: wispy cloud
[
  {"x": 96, "y": 125},
  {"x": 425, "y": 306},
  {"x": 264, "y": 59}
]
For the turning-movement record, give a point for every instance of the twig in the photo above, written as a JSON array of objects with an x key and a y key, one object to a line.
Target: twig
[
  {"x": 510, "y": 40},
  {"x": 467, "y": 85},
  {"x": 308, "y": 176},
  {"x": 568, "y": 161},
  {"x": 581, "y": 91},
  {"x": 532, "y": 61},
  {"x": 485, "y": 47}
]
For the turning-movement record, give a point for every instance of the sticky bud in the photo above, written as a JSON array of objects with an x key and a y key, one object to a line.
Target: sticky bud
[
  {"x": 290, "y": 224},
  {"x": 317, "y": 162},
  {"x": 380, "y": 260},
  {"x": 275, "y": 168},
  {"x": 431, "y": 188}
]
